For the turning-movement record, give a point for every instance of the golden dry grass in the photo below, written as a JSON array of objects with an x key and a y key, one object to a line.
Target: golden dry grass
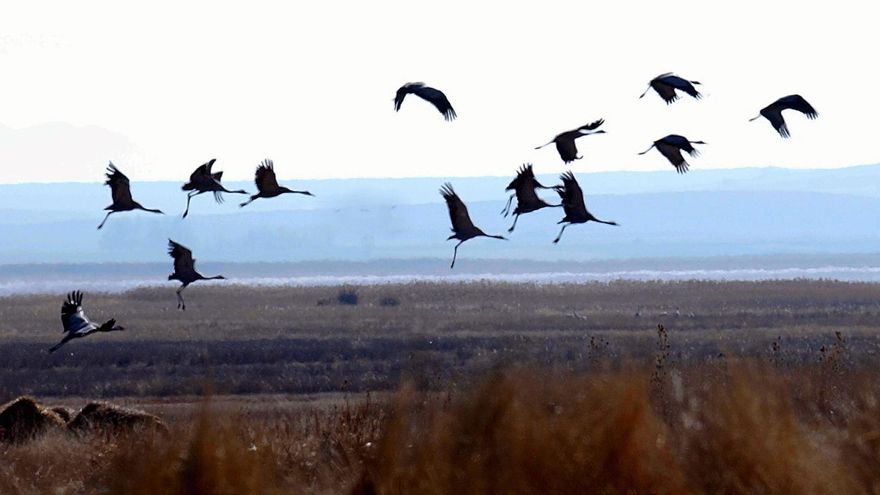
[{"x": 716, "y": 428}]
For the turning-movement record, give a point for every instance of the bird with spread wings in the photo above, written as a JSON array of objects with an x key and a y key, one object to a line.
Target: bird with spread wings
[
  {"x": 267, "y": 183},
  {"x": 185, "y": 270},
  {"x": 573, "y": 204},
  {"x": 462, "y": 227},
  {"x": 427, "y": 93},
  {"x": 565, "y": 144},
  {"x": 75, "y": 322},
  {"x": 121, "y": 192},
  {"x": 203, "y": 180}
]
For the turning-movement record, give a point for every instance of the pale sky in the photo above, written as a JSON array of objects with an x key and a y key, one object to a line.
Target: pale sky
[{"x": 160, "y": 87}]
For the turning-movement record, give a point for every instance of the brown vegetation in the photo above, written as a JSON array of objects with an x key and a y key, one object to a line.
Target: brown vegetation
[
  {"x": 738, "y": 428},
  {"x": 724, "y": 427},
  {"x": 24, "y": 419},
  {"x": 63, "y": 412},
  {"x": 110, "y": 418},
  {"x": 691, "y": 388}
]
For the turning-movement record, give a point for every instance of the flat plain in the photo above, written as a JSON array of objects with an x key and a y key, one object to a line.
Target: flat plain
[
  {"x": 623, "y": 387},
  {"x": 245, "y": 340}
]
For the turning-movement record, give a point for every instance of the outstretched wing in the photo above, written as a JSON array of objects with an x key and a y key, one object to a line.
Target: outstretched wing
[
  {"x": 592, "y": 126},
  {"x": 665, "y": 91},
  {"x": 571, "y": 194},
  {"x": 402, "y": 92},
  {"x": 265, "y": 176},
  {"x": 183, "y": 260},
  {"x": 797, "y": 102},
  {"x": 437, "y": 98},
  {"x": 204, "y": 170},
  {"x": 681, "y": 84},
  {"x": 119, "y": 185},
  {"x": 524, "y": 173},
  {"x": 773, "y": 113},
  {"x": 73, "y": 319},
  {"x": 525, "y": 185},
  {"x": 672, "y": 152},
  {"x": 458, "y": 213}
]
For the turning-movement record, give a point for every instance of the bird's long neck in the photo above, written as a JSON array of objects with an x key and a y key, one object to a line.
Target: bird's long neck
[
  {"x": 110, "y": 326},
  {"x": 495, "y": 236},
  {"x": 237, "y": 191},
  {"x": 603, "y": 221},
  {"x": 216, "y": 277},
  {"x": 286, "y": 190},
  {"x": 151, "y": 210},
  {"x": 754, "y": 118},
  {"x": 647, "y": 150}
]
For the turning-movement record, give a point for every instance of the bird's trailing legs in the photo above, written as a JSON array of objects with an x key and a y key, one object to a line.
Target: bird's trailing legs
[
  {"x": 556, "y": 241},
  {"x": 105, "y": 219},
  {"x": 181, "y": 305},
  {"x": 515, "y": 218},
  {"x": 454, "y": 254},
  {"x": 189, "y": 197},
  {"x": 506, "y": 209},
  {"x": 58, "y": 345}
]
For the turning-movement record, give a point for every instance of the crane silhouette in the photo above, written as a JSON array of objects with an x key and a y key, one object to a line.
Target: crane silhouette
[
  {"x": 462, "y": 226},
  {"x": 565, "y": 141},
  {"x": 121, "y": 191},
  {"x": 525, "y": 174},
  {"x": 573, "y": 204},
  {"x": 185, "y": 270},
  {"x": 427, "y": 93},
  {"x": 202, "y": 180},
  {"x": 671, "y": 147},
  {"x": 267, "y": 184},
  {"x": 666, "y": 85},
  {"x": 77, "y": 324},
  {"x": 527, "y": 199},
  {"x": 773, "y": 112}
]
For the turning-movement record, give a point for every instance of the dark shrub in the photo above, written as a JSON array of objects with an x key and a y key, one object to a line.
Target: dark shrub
[{"x": 347, "y": 296}]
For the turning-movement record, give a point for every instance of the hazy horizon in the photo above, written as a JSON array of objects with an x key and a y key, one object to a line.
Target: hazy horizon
[
  {"x": 546, "y": 170},
  {"x": 705, "y": 213}
]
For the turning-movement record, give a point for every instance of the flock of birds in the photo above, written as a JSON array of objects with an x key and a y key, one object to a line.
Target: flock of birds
[{"x": 524, "y": 186}]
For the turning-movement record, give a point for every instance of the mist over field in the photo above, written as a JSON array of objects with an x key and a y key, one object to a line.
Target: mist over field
[{"x": 707, "y": 213}]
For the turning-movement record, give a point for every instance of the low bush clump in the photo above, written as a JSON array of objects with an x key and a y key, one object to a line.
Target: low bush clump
[{"x": 348, "y": 297}]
